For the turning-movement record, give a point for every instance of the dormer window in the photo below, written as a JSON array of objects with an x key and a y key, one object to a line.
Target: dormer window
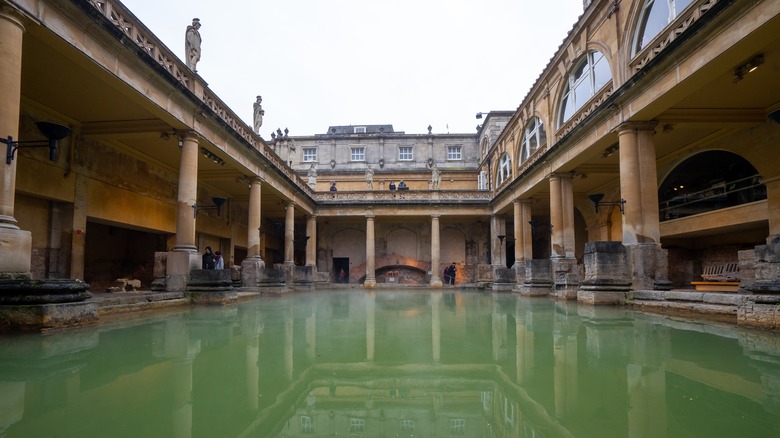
[{"x": 359, "y": 129}]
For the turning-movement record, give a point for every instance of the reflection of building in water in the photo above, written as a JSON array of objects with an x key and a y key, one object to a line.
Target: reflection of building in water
[{"x": 397, "y": 364}]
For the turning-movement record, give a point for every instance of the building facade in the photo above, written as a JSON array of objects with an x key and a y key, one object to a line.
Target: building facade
[{"x": 654, "y": 127}]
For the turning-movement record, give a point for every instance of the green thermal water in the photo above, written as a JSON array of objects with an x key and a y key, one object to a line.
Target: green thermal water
[{"x": 393, "y": 363}]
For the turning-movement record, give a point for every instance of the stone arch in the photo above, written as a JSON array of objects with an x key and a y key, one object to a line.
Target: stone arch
[
  {"x": 708, "y": 181},
  {"x": 350, "y": 243},
  {"x": 453, "y": 246},
  {"x": 403, "y": 242}
]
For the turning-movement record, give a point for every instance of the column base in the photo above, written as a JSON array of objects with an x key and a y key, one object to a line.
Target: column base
[
  {"x": 370, "y": 283},
  {"x": 178, "y": 266},
  {"x": 436, "y": 282}
]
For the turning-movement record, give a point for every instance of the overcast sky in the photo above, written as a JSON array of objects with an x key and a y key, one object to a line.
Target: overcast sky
[{"x": 409, "y": 63}]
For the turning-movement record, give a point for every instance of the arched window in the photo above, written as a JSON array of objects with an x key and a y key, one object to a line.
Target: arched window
[
  {"x": 504, "y": 169},
  {"x": 590, "y": 73},
  {"x": 533, "y": 138},
  {"x": 709, "y": 181},
  {"x": 655, "y": 16}
]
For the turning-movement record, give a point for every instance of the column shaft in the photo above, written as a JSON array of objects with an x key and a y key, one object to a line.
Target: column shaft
[
  {"x": 11, "y": 35},
  {"x": 370, "y": 281},
  {"x": 289, "y": 234},
  {"x": 255, "y": 219},
  {"x": 187, "y": 194},
  {"x": 435, "y": 251},
  {"x": 639, "y": 183},
  {"x": 556, "y": 217},
  {"x": 311, "y": 241}
]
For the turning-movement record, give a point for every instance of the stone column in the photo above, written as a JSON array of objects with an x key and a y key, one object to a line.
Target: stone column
[
  {"x": 311, "y": 242},
  {"x": 16, "y": 243},
  {"x": 564, "y": 263},
  {"x": 435, "y": 251},
  {"x": 255, "y": 219},
  {"x": 187, "y": 194},
  {"x": 497, "y": 228},
  {"x": 184, "y": 257},
  {"x": 523, "y": 237},
  {"x": 639, "y": 187},
  {"x": 370, "y": 281},
  {"x": 289, "y": 234}
]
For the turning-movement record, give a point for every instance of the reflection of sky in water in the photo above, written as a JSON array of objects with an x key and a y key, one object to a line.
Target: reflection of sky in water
[{"x": 393, "y": 363}]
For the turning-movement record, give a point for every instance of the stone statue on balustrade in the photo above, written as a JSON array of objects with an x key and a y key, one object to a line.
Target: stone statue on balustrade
[
  {"x": 312, "y": 175},
  {"x": 370, "y": 177},
  {"x": 435, "y": 177},
  {"x": 258, "y": 114},
  {"x": 192, "y": 44}
]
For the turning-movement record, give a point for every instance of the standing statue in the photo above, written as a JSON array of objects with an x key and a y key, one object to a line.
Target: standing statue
[
  {"x": 192, "y": 44},
  {"x": 435, "y": 177},
  {"x": 313, "y": 175},
  {"x": 259, "y": 112},
  {"x": 370, "y": 177}
]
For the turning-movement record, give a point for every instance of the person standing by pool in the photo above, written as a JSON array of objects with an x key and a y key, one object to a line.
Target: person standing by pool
[
  {"x": 219, "y": 262},
  {"x": 208, "y": 258}
]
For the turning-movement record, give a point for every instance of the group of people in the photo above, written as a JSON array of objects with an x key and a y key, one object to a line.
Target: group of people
[
  {"x": 449, "y": 274},
  {"x": 213, "y": 260},
  {"x": 401, "y": 186}
]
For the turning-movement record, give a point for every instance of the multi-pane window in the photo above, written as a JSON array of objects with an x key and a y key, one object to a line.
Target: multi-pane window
[
  {"x": 358, "y": 154},
  {"x": 309, "y": 155},
  {"x": 533, "y": 137},
  {"x": 656, "y": 15},
  {"x": 589, "y": 74},
  {"x": 407, "y": 426},
  {"x": 405, "y": 153},
  {"x": 458, "y": 426},
  {"x": 357, "y": 425},
  {"x": 359, "y": 130},
  {"x": 482, "y": 181},
  {"x": 307, "y": 425},
  {"x": 504, "y": 169},
  {"x": 454, "y": 153}
]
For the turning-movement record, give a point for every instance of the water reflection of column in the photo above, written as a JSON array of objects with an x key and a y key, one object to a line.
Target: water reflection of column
[
  {"x": 525, "y": 343},
  {"x": 288, "y": 343},
  {"x": 11, "y": 404},
  {"x": 252, "y": 327},
  {"x": 182, "y": 397},
  {"x": 370, "y": 325},
  {"x": 565, "y": 367},
  {"x": 436, "y": 325},
  {"x": 499, "y": 335},
  {"x": 646, "y": 395},
  {"x": 311, "y": 335}
]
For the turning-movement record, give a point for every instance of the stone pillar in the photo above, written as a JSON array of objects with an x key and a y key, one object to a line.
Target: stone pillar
[
  {"x": 606, "y": 274},
  {"x": 16, "y": 243},
  {"x": 435, "y": 251},
  {"x": 523, "y": 238},
  {"x": 370, "y": 281},
  {"x": 497, "y": 228},
  {"x": 564, "y": 263},
  {"x": 289, "y": 234},
  {"x": 78, "y": 239},
  {"x": 255, "y": 219},
  {"x": 184, "y": 257},
  {"x": 253, "y": 264},
  {"x": 311, "y": 242},
  {"x": 639, "y": 187},
  {"x": 187, "y": 194}
]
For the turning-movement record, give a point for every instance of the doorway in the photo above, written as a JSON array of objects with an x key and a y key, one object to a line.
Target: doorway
[{"x": 341, "y": 269}]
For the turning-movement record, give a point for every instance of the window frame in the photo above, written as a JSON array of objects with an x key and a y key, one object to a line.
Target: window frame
[
  {"x": 451, "y": 151},
  {"x": 673, "y": 9},
  {"x": 357, "y": 151},
  {"x": 534, "y": 131},
  {"x": 504, "y": 169},
  {"x": 309, "y": 158},
  {"x": 358, "y": 129},
  {"x": 401, "y": 153},
  {"x": 583, "y": 74}
]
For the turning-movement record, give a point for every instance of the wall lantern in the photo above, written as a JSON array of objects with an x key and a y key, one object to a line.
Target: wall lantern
[
  {"x": 748, "y": 67},
  {"x": 54, "y": 132},
  {"x": 217, "y": 206},
  {"x": 596, "y": 198}
]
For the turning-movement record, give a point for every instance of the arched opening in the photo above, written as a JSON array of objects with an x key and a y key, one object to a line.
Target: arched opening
[{"x": 706, "y": 182}]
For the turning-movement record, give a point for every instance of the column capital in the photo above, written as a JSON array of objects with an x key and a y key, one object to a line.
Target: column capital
[
  {"x": 523, "y": 201},
  {"x": 370, "y": 215},
  {"x": 635, "y": 126},
  {"x": 15, "y": 15},
  {"x": 561, "y": 175},
  {"x": 290, "y": 204},
  {"x": 435, "y": 215},
  {"x": 313, "y": 217},
  {"x": 188, "y": 134}
]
